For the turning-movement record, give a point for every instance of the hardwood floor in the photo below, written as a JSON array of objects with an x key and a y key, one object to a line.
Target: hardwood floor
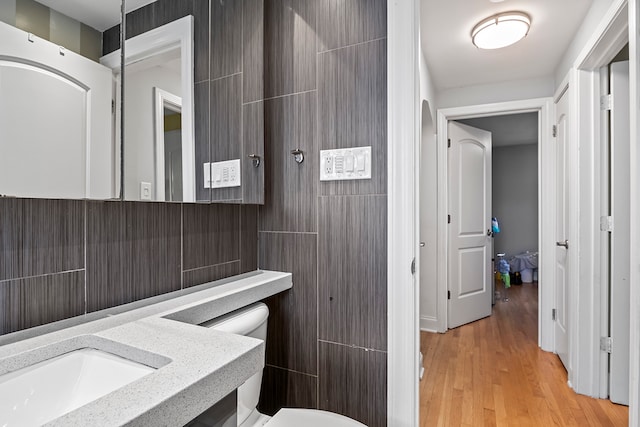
[{"x": 492, "y": 373}]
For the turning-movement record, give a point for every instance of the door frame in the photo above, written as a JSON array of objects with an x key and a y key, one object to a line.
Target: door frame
[
  {"x": 163, "y": 99},
  {"x": 589, "y": 310},
  {"x": 546, "y": 202},
  {"x": 634, "y": 93},
  {"x": 403, "y": 149}
]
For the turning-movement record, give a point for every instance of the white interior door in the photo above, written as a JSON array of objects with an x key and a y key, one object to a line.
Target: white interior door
[
  {"x": 620, "y": 234},
  {"x": 561, "y": 324},
  {"x": 470, "y": 275}
]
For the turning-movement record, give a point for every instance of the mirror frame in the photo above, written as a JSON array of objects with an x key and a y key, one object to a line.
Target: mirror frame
[{"x": 178, "y": 33}]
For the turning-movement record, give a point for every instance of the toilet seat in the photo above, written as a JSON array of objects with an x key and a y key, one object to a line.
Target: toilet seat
[{"x": 289, "y": 417}]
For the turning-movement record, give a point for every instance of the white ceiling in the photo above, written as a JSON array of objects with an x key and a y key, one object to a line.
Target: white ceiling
[
  {"x": 98, "y": 14},
  {"x": 512, "y": 129},
  {"x": 455, "y": 62}
]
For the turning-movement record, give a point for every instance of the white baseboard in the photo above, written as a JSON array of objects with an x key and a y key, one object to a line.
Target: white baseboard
[{"x": 428, "y": 324}]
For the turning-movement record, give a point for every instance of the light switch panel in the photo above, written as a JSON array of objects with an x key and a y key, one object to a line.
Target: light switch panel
[
  {"x": 145, "y": 191},
  {"x": 225, "y": 174},
  {"x": 207, "y": 175},
  {"x": 345, "y": 164}
]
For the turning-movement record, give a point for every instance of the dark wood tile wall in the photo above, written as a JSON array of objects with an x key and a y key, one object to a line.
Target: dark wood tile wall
[
  {"x": 285, "y": 388},
  {"x": 325, "y": 87},
  {"x": 353, "y": 382},
  {"x": 63, "y": 258},
  {"x": 132, "y": 252}
]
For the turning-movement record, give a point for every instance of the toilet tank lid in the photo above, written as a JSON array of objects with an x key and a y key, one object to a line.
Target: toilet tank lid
[
  {"x": 242, "y": 321},
  {"x": 289, "y": 417}
]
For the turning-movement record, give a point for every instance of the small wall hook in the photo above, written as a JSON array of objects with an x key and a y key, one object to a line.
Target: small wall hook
[
  {"x": 256, "y": 159},
  {"x": 298, "y": 155}
]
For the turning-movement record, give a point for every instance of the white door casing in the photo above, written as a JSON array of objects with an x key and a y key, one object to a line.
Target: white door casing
[
  {"x": 470, "y": 209},
  {"x": 620, "y": 234},
  {"x": 561, "y": 324},
  {"x": 546, "y": 205}
]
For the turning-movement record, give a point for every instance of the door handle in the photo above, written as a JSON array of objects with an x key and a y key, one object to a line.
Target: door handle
[
  {"x": 422, "y": 244},
  {"x": 565, "y": 244},
  {"x": 489, "y": 232}
]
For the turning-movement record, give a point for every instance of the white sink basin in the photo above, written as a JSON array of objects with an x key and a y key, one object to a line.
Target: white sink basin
[{"x": 37, "y": 394}]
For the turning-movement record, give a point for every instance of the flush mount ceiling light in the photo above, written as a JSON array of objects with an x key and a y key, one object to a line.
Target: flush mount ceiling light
[{"x": 501, "y": 30}]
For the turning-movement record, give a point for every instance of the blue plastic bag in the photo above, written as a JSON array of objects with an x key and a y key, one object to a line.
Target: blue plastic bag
[{"x": 495, "y": 227}]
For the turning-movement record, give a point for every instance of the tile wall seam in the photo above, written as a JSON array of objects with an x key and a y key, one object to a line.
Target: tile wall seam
[
  {"x": 240, "y": 245},
  {"x": 353, "y": 346},
  {"x": 287, "y": 232},
  {"x": 182, "y": 246},
  {"x": 316, "y": 133},
  {"x": 228, "y": 76},
  {"x": 37, "y": 276},
  {"x": 209, "y": 70},
  {"x": 242, "y": 76},
  {"x": 290, "y": 370},
  {"x": 352, "y": 45},
  {"x": 304, "y": 92},
  {"x": 353, "y": 195},
  {"x": 86, "y": 238}
]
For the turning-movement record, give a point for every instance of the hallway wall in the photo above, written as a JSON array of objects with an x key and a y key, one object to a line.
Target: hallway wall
[
  {"x": 499, "y": 92},
  {"x": 515, "y": 198}
]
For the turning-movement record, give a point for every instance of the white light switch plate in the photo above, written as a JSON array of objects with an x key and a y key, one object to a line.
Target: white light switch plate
[
  {"x": 207, "y": 175},
  {"x": 225, "y": 174},
  {"x": 345, "y": 164},
  {"x": 145, "y": 190}
]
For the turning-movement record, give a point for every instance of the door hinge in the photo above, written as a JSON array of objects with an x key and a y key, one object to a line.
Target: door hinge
[
  {"x": 448, "y": 219},
  {"x": 449, "y": 143},
  {"x": 113, "y": 106},
  {"x": 606, "y": 344},
  {"x": 413, "y": 266},
  {"x": 554, "y": 131},
  {"x": 553, "y": 314},
  {"x": 606, "y": 102},
  {"x": 606, "y": 223},
  {"x": 448, "y": 294}
]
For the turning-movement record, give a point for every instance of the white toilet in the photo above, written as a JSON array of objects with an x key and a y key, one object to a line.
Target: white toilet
[{"x": 252, "y": 321}]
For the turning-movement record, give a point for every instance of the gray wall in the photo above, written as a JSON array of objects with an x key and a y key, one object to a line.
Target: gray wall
[
  {"x": 325, "y": 87},
  {"x": 515, "y": 198}
]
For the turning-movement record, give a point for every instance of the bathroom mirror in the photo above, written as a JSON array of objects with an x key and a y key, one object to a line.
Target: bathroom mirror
[
  {"x": 159, "y": 150},
  {"x": 56, "y": 126}
]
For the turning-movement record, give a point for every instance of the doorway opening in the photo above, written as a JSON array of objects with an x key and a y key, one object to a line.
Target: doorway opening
[
  {"x": 540, "y": 110},
  {"x": 514, "y": 201}
]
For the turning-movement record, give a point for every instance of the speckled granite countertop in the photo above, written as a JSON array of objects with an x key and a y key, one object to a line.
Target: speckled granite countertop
[{"x": 196, "y": 366}]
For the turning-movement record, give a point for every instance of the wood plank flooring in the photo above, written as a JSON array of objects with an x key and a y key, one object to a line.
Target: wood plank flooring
[{"x": 492, "y": 373}]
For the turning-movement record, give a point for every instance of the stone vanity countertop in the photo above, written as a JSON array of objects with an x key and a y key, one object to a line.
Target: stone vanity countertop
[{"x": 195, "y": 367}]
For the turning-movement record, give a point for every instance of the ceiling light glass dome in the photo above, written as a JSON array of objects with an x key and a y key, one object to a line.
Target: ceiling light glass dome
[{"x": 501, "y": 30}]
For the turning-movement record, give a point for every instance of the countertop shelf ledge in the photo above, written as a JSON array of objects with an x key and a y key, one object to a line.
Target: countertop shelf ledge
[{"x": 196, "y": 367}]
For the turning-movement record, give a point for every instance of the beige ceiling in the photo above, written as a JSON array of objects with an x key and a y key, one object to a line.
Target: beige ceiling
[{"x": 455, "y": 62}]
